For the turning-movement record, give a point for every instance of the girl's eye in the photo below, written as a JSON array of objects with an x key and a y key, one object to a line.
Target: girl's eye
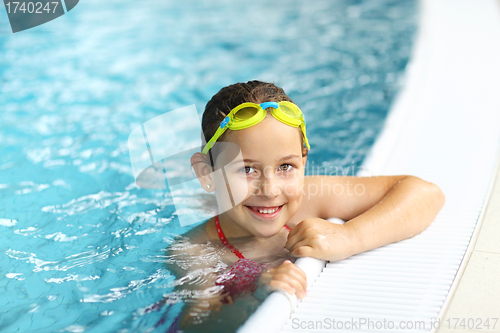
[
  {"x": 285, "y": 167},
  {"x": 248, "y": 169}
]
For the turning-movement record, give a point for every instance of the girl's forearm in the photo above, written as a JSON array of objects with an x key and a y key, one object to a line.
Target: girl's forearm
[{"x": 406, "y": 210}]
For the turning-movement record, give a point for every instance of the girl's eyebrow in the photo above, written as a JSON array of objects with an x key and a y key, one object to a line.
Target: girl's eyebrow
[
  {"x": 289, "y": 157},
  {"x": 247, "y": 160}
]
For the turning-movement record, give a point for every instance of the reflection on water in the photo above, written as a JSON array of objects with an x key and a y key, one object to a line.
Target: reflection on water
[
  {"x": 217, "y": 288},
  {"x": 82, "y": 247}
]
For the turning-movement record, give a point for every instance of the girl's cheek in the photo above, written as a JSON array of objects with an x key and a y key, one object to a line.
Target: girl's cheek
[
  {"x": 230, "y": 188},
  {"x": 293, "y": 187},
  {"x": 238, "y": 187}
]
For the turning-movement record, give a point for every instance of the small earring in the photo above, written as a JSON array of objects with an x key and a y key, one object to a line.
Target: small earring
[{"x": 208, "y": 185}]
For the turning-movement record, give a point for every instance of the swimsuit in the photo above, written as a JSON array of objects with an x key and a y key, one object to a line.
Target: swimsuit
[
  {"x": 243, "y": 274},
  {"x": 241, "y": 278}
]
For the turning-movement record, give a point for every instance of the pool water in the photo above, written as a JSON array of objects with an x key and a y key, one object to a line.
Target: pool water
[{"x": 81, "y": 246}]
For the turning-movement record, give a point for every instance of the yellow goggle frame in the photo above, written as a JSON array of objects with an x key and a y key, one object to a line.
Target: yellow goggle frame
[{"x": 249, "y": 114}]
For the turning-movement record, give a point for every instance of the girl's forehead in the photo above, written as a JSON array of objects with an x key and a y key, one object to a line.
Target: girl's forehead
[{"x": 269, "y": 138}]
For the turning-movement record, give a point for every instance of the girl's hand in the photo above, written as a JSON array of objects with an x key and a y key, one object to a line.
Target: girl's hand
[
  {"x": 288, "y": 277},
  {"x": 319, "y": 238}
]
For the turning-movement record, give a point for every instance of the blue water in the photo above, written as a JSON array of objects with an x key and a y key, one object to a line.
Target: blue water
[{"x": 82, "y": 247}]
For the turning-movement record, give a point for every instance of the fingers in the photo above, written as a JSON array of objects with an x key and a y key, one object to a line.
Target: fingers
[
  {"x": 300, "y": 242},
  {"x": 300, "y": 232},
  {"x": 296, "y": 272},
  {"x": 281, "y": 285},
  {"x": 302, "y": 251},
  {"x": 306, "y": 239},
  {"x": 293, "y": 231},
  {"x": 318, "y": 238},
  {"x": 291, "y": 241},
  {"x": 295, "y": 236},
  {"x": 290, "y": 278}
]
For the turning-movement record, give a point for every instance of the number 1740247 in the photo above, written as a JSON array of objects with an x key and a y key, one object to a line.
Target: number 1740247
[
  {"x": 30, "y": 7},
  {"x": 471, "y": 323}
]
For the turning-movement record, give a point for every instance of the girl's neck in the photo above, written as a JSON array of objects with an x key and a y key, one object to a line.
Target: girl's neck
[
  {"x": 233, "y": 230},
  {"x": 226, "y": 242}
]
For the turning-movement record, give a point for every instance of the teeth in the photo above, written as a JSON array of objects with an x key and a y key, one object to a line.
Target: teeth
[{"x": 267, "y": 211}]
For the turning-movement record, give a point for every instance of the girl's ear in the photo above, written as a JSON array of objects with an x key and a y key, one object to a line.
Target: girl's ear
[
  {"x": 304, "y": 156},
  {"x": 201, "y": 165}
]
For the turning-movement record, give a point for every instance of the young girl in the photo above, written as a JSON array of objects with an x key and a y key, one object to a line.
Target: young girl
[{"x": 282, "y": 214}]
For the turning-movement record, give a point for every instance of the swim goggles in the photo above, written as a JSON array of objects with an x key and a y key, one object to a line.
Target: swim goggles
[{"x": 249, "y": 114}]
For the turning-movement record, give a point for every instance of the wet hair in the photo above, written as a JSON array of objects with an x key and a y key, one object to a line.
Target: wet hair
[{"x": 233, "y": 95}]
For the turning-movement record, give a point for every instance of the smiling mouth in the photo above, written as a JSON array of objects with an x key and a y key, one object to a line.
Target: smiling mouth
[{"x": 266, "y": 212}]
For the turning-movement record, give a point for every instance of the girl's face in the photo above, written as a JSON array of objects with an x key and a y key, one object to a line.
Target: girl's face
[{"x": 273, "y": 172}]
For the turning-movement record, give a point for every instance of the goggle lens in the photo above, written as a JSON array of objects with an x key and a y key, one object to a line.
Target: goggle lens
[
  {"x": 290, "y": 111},
  {"x": 245, "y": 113}
]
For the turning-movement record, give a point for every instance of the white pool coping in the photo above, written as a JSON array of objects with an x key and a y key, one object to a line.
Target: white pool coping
[{"x": 445, "y": 128}]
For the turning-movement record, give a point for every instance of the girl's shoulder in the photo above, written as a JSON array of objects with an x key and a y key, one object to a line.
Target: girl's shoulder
[
  {"x": 200, "y": 234},
  {"x": 345, "y": 197},
  {"x": 323, "y": 197},
  {"x": 184, "y": 252}
]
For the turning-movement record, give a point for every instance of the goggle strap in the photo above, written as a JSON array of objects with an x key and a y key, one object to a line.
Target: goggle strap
[
  {"x": 266, "y": 105},
  {"x": 224, "y": 122},
  {"x": 214, "y": 139},
  {"x": 306, "y": 142}
]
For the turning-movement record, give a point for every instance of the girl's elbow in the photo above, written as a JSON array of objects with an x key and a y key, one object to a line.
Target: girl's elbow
[
  {"x": 431, "y": 190},
  {"x": 440, "y": 198},
  {"x": 435, "y": 193}
]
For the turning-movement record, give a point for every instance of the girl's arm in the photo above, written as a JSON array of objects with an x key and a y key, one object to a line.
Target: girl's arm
[{"x": 380, "y": 210}]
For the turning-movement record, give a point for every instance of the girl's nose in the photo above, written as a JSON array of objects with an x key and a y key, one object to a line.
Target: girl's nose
[{"x": 269, "y": 186}]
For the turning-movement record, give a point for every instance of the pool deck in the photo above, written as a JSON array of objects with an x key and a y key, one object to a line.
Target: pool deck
[{"x": 477, "y": 294}]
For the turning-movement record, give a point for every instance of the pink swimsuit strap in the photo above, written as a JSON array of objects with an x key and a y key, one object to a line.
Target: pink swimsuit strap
[{"x": 225, "y": 241}]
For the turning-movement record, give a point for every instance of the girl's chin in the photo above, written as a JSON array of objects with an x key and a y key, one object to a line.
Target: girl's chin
[{"x": 267, "y": 231}]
